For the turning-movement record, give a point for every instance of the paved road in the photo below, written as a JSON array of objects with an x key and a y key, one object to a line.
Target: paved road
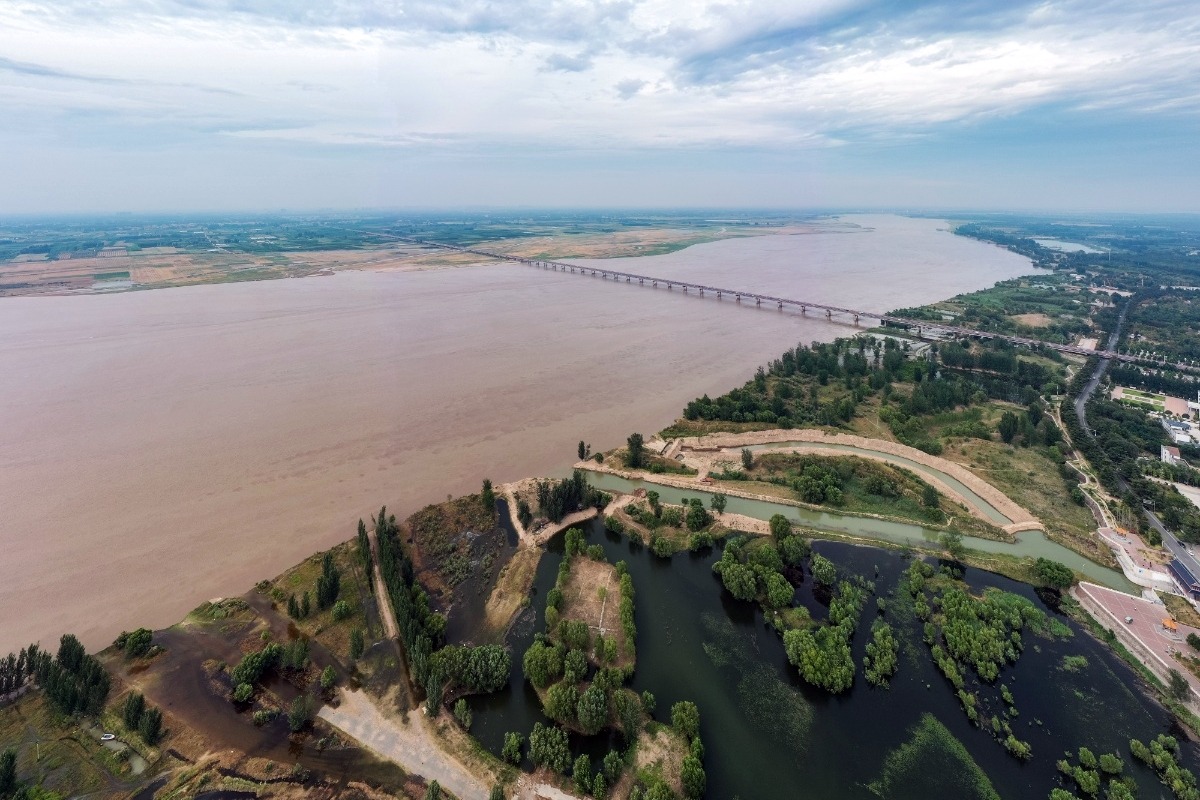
[{"x": 1169, "y": 539}]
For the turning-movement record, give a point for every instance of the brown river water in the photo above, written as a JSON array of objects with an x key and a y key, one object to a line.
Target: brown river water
[{"x": 161, "y": 448}]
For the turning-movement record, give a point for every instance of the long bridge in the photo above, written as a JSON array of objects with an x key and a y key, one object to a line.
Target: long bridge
[{"x": 923, "y": 328}]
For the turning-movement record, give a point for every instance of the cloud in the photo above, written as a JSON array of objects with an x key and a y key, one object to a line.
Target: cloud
[
  {"x": 561, "y": 62},
  {"x": 477, "y": 78},
  {"x": 629, "y": 87}
]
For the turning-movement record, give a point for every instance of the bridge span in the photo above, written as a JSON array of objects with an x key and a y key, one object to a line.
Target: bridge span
[{"x": 923, "y": 328}]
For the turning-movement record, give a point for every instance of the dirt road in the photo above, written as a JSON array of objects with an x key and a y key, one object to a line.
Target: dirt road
[{"x": 412, "y": 745}]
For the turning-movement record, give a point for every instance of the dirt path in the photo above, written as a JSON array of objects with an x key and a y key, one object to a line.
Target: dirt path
[
  {"x": 412, "y": 746},
  {"x": 381, "y": 596}
]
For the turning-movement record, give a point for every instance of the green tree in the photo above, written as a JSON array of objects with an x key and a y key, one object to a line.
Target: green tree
[
  {"x": 779, "y": 591},
  {"x": 648, "y": 702},
  {"x": 592, "y": 709},
  {"x": 781, "y": 526},
  {"x": 357, "y": 645},
  {"x": 328, "y": 583},
  {"x": 1193, "y": 641},
  {"x": 685, "y": 719},
  {"x": 8, "y": 772},
  {"x": 150, "y": 726},
  {"x": 328, "y": 678},
  {"x": 739, "y": 579},
  {"x": 549, "y": 747},
  {"x": 694, "y": 779},
  {"x": 293, "y": 608},
  {"x": 433, "y": 791},
  {"x": 747, "y": 458},
  {"x": 583, "y": 450},
  {"x": 582, "y": 773},
  {"x": 135, "y": 704},
  {"x": 497, "y": 793},
  {"x": 600, "y": 786},
  {"x": 241, "y": 693},
  {"x": 513, "y": 742},
  {"x": 717, "y": 502},
  {"x": 952, "y": 543},
  {"x": 636, "y": 456},
  {"x": 1177, "y": 686},
  {"x": 697, "y": 517},
  {"x": 930, "y": 497},
  {"x": 300, "y": 713},
  {"x": 305, "y": 605},
  {"x": 1008, "y": 426},
  {"x": 341, "y": 610},
  {"x": 1053, "y": 573},
  {"x": 613, "y": 766},
  {"x": 562, "y": 701},
  {"x": 488, "y": 496},
  {"x": 462, "y": 713},
  {"x": 823, "y": 570},
  {"x": 1111, "y": 764}
]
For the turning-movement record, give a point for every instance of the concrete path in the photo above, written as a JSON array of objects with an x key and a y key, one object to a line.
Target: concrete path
[
  {"x": 413, "y": 746},
  {"x": 1145, "y": 636}
]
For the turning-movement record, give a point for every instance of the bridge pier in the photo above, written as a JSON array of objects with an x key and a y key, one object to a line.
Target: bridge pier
[
  {"x": 685, "y": 289},
  {"x": 803, "y": 309},
  {"x": 828, "y": 314},
  {"x": 781, "y": 305},
  {"x": 758, "y": 301},
  {"x": 856, "y": 319}
]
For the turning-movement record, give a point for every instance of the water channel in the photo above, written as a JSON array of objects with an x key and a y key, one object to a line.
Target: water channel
[
  {"x": 1032, "y": 544},
  {"x": 765, "y": 730}
]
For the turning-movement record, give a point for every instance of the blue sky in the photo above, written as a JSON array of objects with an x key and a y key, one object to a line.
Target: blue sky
[{"x": 145, "y": 105}]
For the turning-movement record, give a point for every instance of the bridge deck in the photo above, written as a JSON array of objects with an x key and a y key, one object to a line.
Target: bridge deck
[{"x": 923, "y": 327}]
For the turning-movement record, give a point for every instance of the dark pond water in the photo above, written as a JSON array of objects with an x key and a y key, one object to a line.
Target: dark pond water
[{"x": 764, "y": 729}]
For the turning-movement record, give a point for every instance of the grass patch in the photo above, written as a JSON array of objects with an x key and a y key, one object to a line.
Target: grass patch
[
  {"x": 932, "y": 763},
  {"x": 111, "y": 276},
  {"x": 353, "y": 590},
  {"x": 1180, "y": 609},
  {"x": 511, "y": 592},
  {"x": 438, "y": 531}
]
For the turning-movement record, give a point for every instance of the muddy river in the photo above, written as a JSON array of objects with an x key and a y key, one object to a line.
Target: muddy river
[{"x": 164, "y": 447}]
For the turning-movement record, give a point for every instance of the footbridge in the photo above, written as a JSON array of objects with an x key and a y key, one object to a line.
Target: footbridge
[{"x": 927, "y": 329}]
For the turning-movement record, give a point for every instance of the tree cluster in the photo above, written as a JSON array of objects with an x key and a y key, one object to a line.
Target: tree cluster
[
  {"x": 329, "y": 583},
  {"x": 143, "y": 718},
  {"x": 557, "y": 499},
  {"x": 16, "y": 668},
  {"x": 823, "y": 656},
  {"x": 74, "y": 682}
]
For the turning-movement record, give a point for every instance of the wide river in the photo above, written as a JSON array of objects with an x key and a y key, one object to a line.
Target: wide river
[{"x": 160, "y": 448}]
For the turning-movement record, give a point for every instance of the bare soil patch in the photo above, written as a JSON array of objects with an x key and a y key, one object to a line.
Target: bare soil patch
[
  {"x": 661, "y": 753},
  {"x": 592, "y": 594},
  {"x": 1033, "y": 320}
]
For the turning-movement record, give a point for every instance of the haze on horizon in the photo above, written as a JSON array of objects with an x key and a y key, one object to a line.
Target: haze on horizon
[{"x": 179, "y": 105}]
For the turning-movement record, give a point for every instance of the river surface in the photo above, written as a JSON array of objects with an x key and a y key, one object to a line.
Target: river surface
[
  {"x": 764, "y": 728},
  {"x": 160, "y": 448}
]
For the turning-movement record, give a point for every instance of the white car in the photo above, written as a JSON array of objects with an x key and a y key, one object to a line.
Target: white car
[{"x": 108, "y": 737}]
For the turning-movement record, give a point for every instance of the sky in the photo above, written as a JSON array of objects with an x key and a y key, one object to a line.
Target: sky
[{"x": 215, "y": 105}]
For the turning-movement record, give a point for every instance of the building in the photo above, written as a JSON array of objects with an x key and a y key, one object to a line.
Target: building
[
  {"x": 1170, "y": 455},
  {"x": 1184, "y": 579},
  {"x": 1180, "y": 432}
]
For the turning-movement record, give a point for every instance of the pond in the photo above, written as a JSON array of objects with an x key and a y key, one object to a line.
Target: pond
[
  {"x": 766, "y": 730},
  {"x": 1033, "y": 544}
]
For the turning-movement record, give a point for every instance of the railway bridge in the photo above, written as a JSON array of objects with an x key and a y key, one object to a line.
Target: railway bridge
[{"x": 927, "y": 329}]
